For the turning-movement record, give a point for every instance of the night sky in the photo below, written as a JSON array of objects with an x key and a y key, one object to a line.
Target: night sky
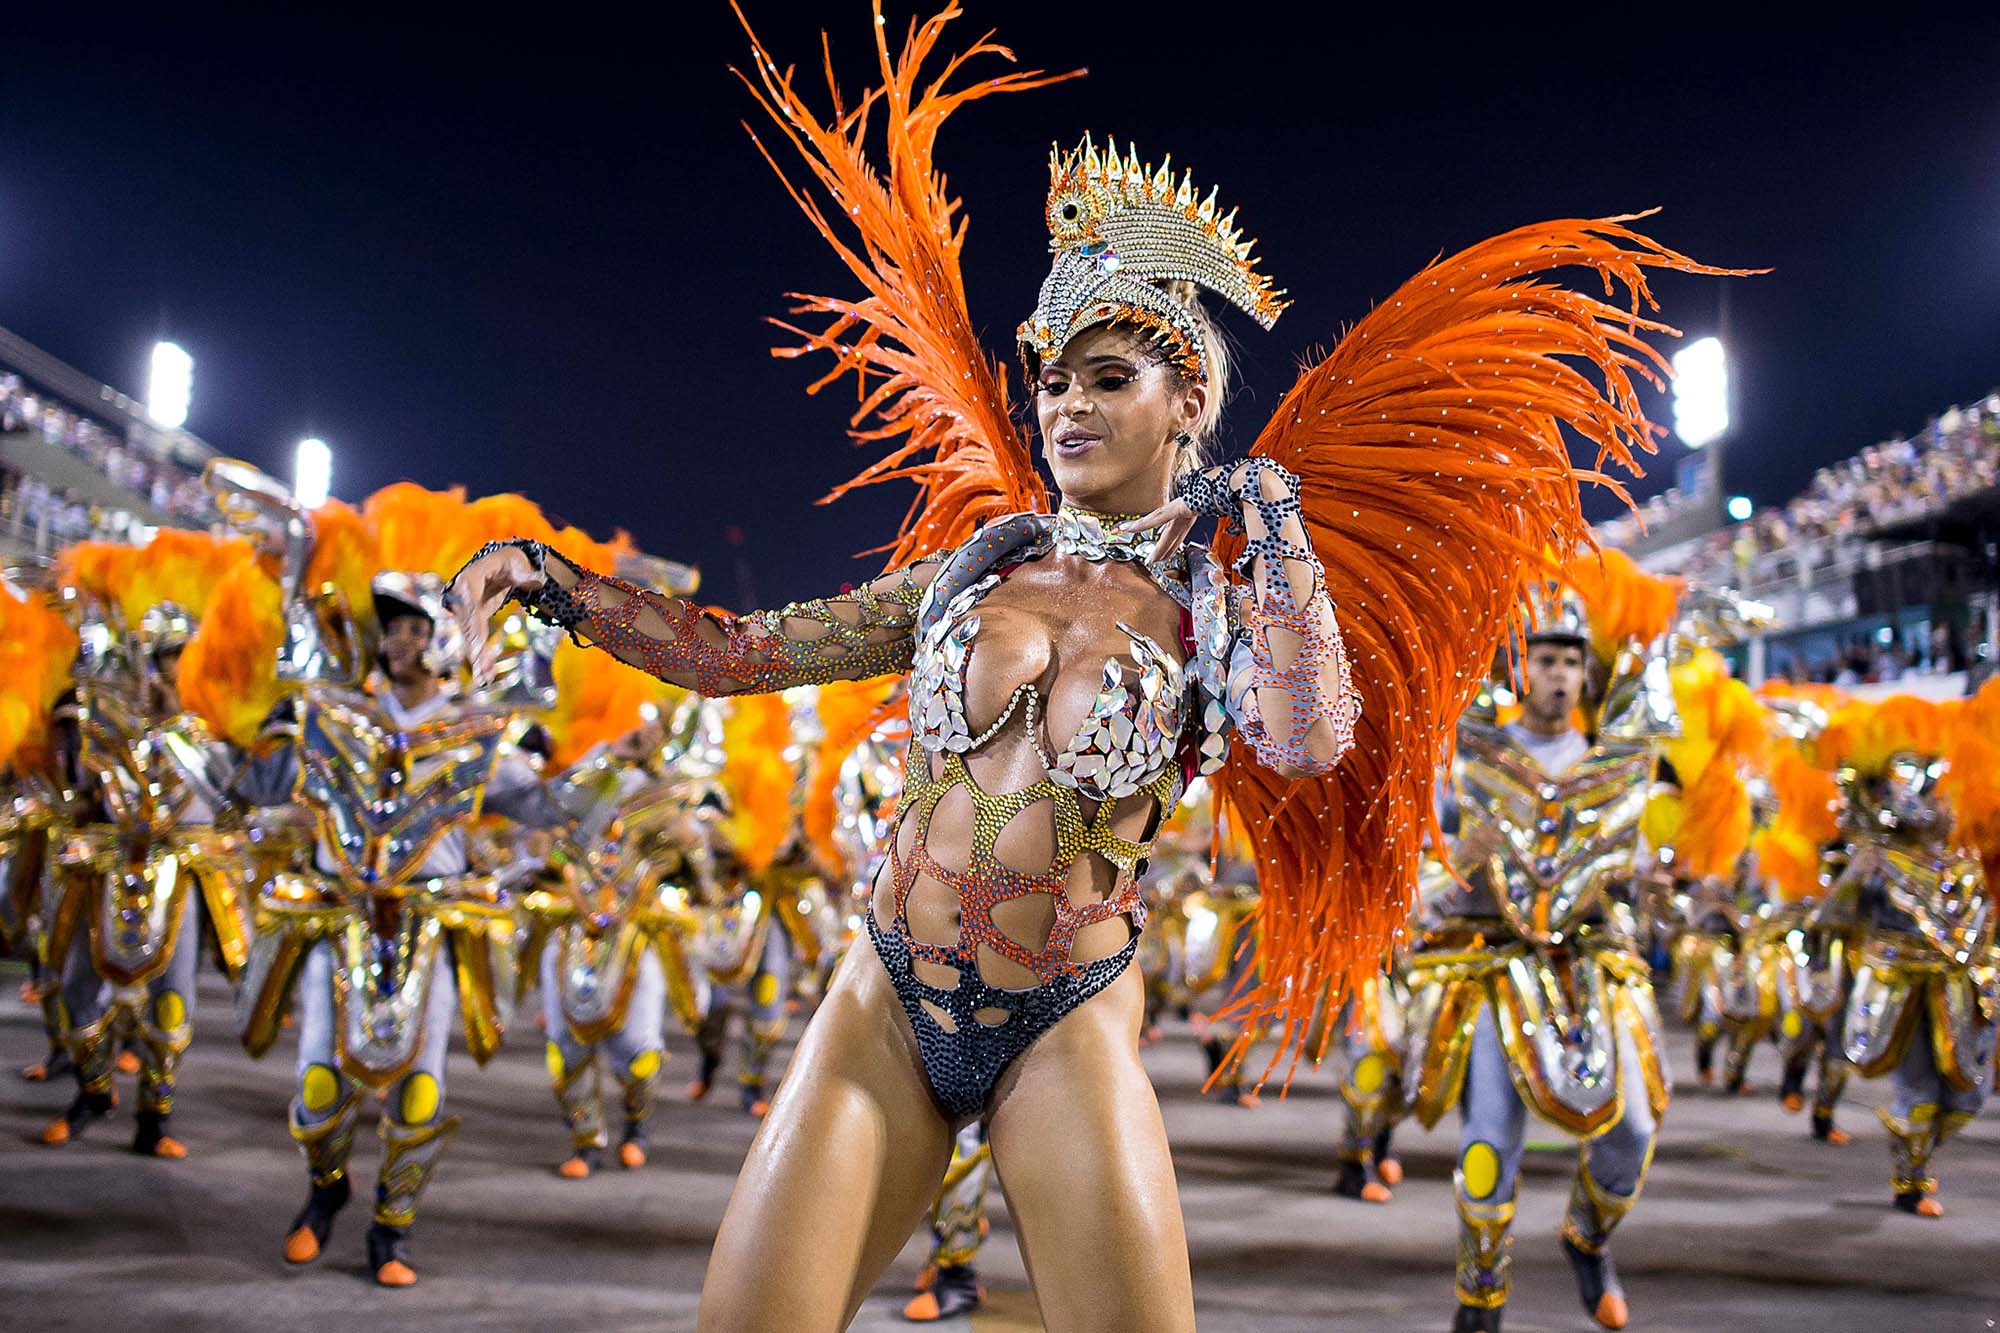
[{"x": 536, "y": 256}]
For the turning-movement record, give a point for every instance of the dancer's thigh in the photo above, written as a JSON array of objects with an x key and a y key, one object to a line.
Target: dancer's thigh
[
  {"x": 1081, "y": 1153},
  {"x": 843, "y": 1169}
]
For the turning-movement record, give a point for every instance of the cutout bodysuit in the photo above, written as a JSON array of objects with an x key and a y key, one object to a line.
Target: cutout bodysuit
[{"x": 1159, "y": 718}]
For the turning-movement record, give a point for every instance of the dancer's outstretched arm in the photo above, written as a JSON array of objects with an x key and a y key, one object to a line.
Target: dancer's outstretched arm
[
  {"x": 868, "y": 631},
  {"x": 1290, "y": 693}
]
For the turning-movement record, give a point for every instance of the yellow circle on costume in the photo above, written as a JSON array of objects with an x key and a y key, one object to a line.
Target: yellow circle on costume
[
  {"x": 420, "y": 1099},
  {"x": 1368, "y": 1073},
  {"x": 645, "y": 1064},
  {"x": 319, "y": 1087},
  {"x": 1480, "y": 1169},
  {"x": 170, "y": 1010},
  {"x": 1792, "y": 1026},
  {"x": 553, "y": 1054},
  {"x": 765, "y": 992}
]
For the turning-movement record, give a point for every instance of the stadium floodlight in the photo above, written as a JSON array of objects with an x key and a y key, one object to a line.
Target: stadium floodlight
[
  {"x": 169, "y": 386},
  {"x": 1701, "y": 392},
  {"x": 1740, "y": 507},
  {"x": 312, "y": 473}
]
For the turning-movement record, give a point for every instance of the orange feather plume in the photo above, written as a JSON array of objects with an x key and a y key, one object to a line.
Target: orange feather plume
[
  {"x": 1827, "y": 697},
  {"x": 175, "y": 566},
  {"x": 1722, "y": 731},
  {"x": 229, "y": 671},
  {"x": 37, "y": 650},
  {"x": 848, "y": 712},
  {"x": 1434, "y": 474},
  {"x": 1865, "y": 734},
  {"x": 758, "y": 777},
  {"x": 1626, "y": 604},
  {"x": 346, "y": 554},
  {"x": 925, "y": 387},
  {"x": 419, "y": 530},
  {"x": 1788, "y": 849},
  {"x": 599, "y": 699}
]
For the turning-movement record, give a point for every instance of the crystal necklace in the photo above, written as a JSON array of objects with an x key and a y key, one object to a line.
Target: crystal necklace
[{"x": 1094, "y": 536}]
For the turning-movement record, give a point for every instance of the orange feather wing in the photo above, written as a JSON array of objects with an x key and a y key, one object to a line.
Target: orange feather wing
[
  {"x": 1431, "y": 447},
  {"x": 925, "y": 388}
]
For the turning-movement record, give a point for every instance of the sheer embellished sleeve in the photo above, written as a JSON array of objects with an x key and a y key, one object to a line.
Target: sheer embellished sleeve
[
  {"x": 1290, "y": 693},
  {"x": 859, "y": 633}
]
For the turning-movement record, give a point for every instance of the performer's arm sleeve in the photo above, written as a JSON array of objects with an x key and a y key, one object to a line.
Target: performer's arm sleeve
[
  {"x": 268, "y": 778},
  {"x": 1291, "y": 695},
  {"x": 868, "y": 631},
  {"x": 517, "y": 792}
]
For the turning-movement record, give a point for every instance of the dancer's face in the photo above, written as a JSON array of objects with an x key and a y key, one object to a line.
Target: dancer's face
[
  {"x": 1109, "y": 413},
  {"x": 403, "y": 642},
  {"x": 1555, "y": 684}
]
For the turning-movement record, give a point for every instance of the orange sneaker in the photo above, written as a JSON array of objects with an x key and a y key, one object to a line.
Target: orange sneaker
[
  {"x": 1839, "y": 1138},
  {"x": 574, "y": 1169},
  {"x": 1249, "y": 1101},
  {"x": 170, "y": 1148},
  {"x": 923, "y": 1308},
  {"x": 395, "y": 1273},
  {"x": 388, "y": 1250},
  {"x": 760, "y": 1108},
  {"x": 1375, "y": 1192},
  {"x": 128, "y": 1063},
  {"x": 697, "y": 1090},
  {"x": 1611, "y": 1311},
  {"x": 314, "y": 1223},
  {"x": 301, "y": 1247},
  {"x": 56, "y": 1132},
  {"x": 1929, "y": 1207},
  {"x": 1793, "y": 1103},
  {"x": 36, "y": 1073},
  {"x": 631, "y": 1156},
  {"x": 1390, "y": 1170}
]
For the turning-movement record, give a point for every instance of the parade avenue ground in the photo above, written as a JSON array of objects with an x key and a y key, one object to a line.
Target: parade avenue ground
[{"x": 1746, "y": 1222}]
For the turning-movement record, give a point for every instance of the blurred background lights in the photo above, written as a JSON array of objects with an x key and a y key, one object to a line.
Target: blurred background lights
[
  {"x": 1701, "y": 392},
  {"x": 312, "y": 473},
  {"x": 169, "y": 386}
]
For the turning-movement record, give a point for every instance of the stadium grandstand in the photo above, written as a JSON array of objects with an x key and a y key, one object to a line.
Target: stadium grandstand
[
  {"x": 80, "y": 460},
  {"x": 1884, "y": 573}
]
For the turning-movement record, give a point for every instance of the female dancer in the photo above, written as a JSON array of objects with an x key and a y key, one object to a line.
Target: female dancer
[{"x": 1069, "y": 671}]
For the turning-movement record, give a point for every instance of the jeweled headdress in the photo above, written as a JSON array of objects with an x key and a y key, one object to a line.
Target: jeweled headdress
[{"x": 1118, "y": 227}]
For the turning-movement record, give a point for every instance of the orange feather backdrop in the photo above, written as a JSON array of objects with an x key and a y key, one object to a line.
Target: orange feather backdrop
[{"x": 757, "y": 776}]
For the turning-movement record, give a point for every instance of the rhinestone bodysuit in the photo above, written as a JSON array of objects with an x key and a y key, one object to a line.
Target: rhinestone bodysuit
[{"x": 1159, "y": 717}]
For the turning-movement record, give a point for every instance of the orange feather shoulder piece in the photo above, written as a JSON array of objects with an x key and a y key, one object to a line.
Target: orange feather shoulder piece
[
  {"x": 924, "y": 386},
  {"x": 1435, "y": 474}
]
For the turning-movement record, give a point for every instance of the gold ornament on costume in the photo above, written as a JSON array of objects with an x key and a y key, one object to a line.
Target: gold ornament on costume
[{"x": 1119, "y": 227}]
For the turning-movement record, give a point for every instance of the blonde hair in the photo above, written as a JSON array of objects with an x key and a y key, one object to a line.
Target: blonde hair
[{"x": 1215, "y": 351}]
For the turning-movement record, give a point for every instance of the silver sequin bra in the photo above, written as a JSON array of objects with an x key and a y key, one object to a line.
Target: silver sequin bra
[{"x": 1133, "y": 729}]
